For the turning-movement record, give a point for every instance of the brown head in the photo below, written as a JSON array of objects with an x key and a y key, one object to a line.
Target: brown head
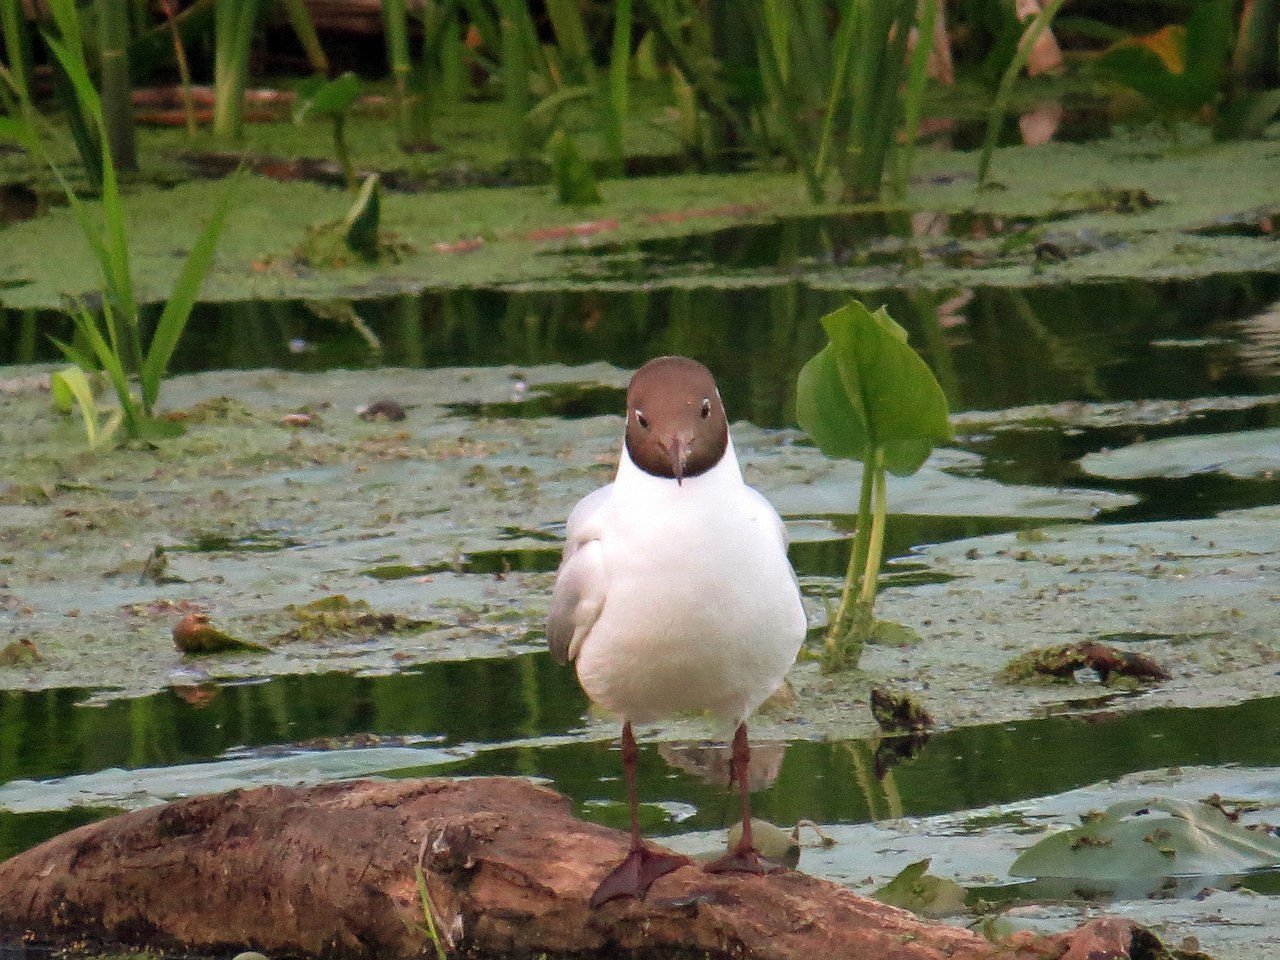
[{"x": 676, "y": 426}]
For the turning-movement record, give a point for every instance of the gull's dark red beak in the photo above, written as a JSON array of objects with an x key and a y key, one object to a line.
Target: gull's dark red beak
[{"x": 679, "y": 451}]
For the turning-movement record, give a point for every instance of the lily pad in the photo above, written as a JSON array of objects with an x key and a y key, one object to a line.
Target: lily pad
[
  {"x": 1246, "y": 454},
  {"x": 132, "y": 789},
  {"x": 920, "y": 892},
  {"x": 1160, "y": 838}
]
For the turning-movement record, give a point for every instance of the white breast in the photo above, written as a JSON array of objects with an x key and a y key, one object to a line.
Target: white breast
[{"x": 699, "y": 607}]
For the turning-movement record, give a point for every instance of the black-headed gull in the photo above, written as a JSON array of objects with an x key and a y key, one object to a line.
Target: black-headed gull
[{"x": 674, "y": 592}]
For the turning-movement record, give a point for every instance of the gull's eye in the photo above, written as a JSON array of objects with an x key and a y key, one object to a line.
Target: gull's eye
[
  {"x": 640, "y": 419},
  {"x": 706, "y": 408}
]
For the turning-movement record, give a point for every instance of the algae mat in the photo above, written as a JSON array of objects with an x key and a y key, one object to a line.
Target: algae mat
[
  {"x": 1123, "y": 208},
  {"x": 441, "y": 532}
]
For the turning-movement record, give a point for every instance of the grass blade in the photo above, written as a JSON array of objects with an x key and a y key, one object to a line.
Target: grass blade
[
  {"x": 177, "y": 310},
  {"x": 913, "y": 99},
  {"x": 1039, "y": 23},
  {"x": 304, "y": 29},
  {"x": 87, "y": 326},
  {"x": 17, "y": 45},
  {"x": 72, "y": 62},
  {"x": 619, "y": 81},
  {"x": 839, "y": 75},
  {"x": 72, "y": 384},
  {"x": 117, "y": 91}
]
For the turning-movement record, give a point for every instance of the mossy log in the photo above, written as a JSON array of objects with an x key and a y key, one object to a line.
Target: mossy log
[{"x": 328, "y": 871}]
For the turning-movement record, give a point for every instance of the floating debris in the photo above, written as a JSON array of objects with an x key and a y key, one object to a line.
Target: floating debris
[
  {"x": 1060, "y": 663},
  {"x": 196, "y": 634}
]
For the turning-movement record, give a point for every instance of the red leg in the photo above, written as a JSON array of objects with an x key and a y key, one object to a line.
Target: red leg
[
  {"x": 642, "y": 865},
  {"x": 744, "y": 858}
]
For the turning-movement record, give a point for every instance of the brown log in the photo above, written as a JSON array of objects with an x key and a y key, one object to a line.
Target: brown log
[{"x": 328, "y": 871}]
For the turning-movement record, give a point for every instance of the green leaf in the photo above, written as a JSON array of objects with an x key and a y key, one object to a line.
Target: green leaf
[
  {"x": 177, "y": 310},
  {"x": 574, "y": 179},
  {"x": 72, "y": 62},
  {"x": 836, "y": 421},
  {"x": 868, "y": 389},
  {"x": 922, "y": 893},
  {"x": 15, "y": 131},
  {"x": 71, "y": 387},
  {"x": 362, "y": 220},
  {"x": 1161, "y": 838},
  {"x": 316, "y": 95},
  {"x": 87, "y": 326},
  {"x": 75, "y": 355},
  {"x": 1177, "y": 67}
]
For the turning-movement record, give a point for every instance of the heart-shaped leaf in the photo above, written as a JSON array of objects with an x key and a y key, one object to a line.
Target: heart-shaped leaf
[
  {"x": 868, "y": 389},
  {"x": 316, "y": 95}
]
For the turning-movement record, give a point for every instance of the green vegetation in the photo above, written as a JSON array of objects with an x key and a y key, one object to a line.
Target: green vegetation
[
  {"x": 868, "y": 396},
  {"x": 332, "y": 99},
  {"x": 1155, "y": 838},
  {"x": 111, "y": 337}
]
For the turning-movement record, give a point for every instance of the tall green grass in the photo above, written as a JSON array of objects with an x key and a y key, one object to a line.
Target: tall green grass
[
  {"x": 113, "y": 339},
  {"x": 234, "y": 22},
  {"x": 1000, "y": 105},
  {"x": 117, "y": 91},
  {"x": 833, "y": 93}
]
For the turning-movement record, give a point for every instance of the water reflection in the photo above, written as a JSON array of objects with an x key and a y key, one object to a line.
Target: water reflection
[
  {"x": 49, "y": 733},
  {"x": 45, "y": 735},
  {"x": 991, "y": 347}
]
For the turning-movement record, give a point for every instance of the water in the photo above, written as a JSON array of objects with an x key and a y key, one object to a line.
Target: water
[
  {"x": 474, "y": 710},
  {"x": 744, "y": 300},
  {"x": 991, "y": 348}
]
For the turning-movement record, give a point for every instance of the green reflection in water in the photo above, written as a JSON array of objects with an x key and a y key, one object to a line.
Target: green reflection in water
[
  {"x": 957, "y": 770},
  {"x": 991, "y": 347},
  {"x": 48, "y": 734}
]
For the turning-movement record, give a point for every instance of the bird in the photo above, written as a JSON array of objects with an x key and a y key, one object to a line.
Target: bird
[{"x": 674, "y": 593}]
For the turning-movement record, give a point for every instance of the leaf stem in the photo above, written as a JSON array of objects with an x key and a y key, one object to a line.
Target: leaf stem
[
  {"x": 875, "y": 544},
  {"x": 858, "y": 557}
]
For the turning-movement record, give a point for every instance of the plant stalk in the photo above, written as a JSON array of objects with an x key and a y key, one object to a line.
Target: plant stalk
[
  {"x": 1000, "y": 105},
  {"x": 304, "y": 29},
  {"x": 344, "y": 154},
  {"x": 395, "y": 25},
  {"x": 839, "y": 626},
  {"x": 233, "y": 36},
  {"x": 875, "y": 543},
  {"x": 913, "y": 97},
  {"x": 17, "y": 48},
  {"x": 184, "y": 68},
  {"x": 117, "y": 91}
]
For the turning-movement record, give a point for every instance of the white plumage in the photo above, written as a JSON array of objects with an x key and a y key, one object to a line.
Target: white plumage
[{"x": 677, "y": 597}]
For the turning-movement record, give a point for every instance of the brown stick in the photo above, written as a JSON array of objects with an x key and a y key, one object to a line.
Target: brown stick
[{"x": 328, "y": 871}]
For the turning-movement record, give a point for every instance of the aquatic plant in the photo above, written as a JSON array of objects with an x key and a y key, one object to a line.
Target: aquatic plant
[
  {"x": 234, "y": 22},
  {"x": 17, "y": 49},
  {"x": 868, "y": 396},
  {"x": 114, "y": 335},
  {"x": 72, "y": 389},
  {"x": 117, "y": 91},
  {"x": 574, "y": 180},
  {"x": 412, "y": 119},
  {"x": 332, "y": 99},
  {"x": 1000, "y": 105}
]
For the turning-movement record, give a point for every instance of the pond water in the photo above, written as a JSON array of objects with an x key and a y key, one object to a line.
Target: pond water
[{"x": 1179, "y": 360}]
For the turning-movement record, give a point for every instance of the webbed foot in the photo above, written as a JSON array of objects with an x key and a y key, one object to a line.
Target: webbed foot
[{"x": 636, "y": 873}]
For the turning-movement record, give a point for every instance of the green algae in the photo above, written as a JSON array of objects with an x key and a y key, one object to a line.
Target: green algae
[
  {"x": 451, "y": 519},
  {"x": 487, "y": 236}
]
